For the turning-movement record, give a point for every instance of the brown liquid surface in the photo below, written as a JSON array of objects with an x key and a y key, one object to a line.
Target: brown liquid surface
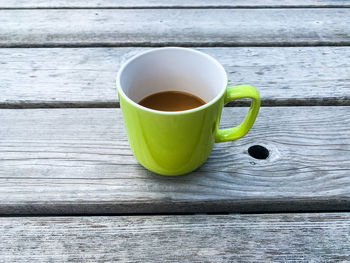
[{"x": 171, "y": 101}]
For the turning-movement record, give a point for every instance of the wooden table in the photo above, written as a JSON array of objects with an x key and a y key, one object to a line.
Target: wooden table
[{"x": 70, "y": 188}]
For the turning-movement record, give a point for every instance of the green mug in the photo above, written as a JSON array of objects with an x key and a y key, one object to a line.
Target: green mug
[{"x": 175, "y": 143}]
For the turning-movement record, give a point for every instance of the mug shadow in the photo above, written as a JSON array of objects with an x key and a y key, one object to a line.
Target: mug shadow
[{"x": 208, "y": 171}]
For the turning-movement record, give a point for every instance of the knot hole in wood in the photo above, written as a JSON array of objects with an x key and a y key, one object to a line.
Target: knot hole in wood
[{"x": 258, "y": 152}]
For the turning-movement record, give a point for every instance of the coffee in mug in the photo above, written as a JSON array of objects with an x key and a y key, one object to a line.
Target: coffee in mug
[{"x": 171, "y": 101}]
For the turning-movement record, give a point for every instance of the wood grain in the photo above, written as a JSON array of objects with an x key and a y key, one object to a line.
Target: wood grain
[
  {"x": 85, "y": 77},
  {"x": 184, "y": 27},
  {"x": 76, "y": 161},
  {"x": 198, "y": 238},
  {"x": 170, "y": 3}
]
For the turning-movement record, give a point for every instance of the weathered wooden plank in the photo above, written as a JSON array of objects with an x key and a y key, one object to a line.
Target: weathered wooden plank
[
  {"x": 190, "y": 27},
  {"x": 58, "y": 161},
  {"x": 85, "y": 77},
  {"x": 198, "y": 238},
  {"x": 170, "y": 3}
]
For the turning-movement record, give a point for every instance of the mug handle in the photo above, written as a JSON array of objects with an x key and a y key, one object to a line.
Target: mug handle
[{"x": 239, "y": 92}]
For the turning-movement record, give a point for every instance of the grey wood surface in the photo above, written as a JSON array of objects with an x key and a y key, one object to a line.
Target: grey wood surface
[
  {"x": 85, "y": 77},
  {"x": 150, "y": 27},
  {"x": 170, "y": 3},
  {"x": 64, "y": 161},
  {"x": 77, "y": 161},
  {"x": 317, "y": 237}
]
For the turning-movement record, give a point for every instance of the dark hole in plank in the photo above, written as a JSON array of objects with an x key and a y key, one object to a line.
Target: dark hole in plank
[{"x": 258, "y": 152}]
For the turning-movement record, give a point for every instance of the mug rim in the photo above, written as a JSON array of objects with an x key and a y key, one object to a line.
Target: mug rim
[{"x": 208, "y": 104}]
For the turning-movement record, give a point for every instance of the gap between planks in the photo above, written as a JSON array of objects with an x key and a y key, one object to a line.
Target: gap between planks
[
  {"x": 311, "y": 102},
  {"x": 139, "y": 4},
  {"x": 179, "y": 7},
  {"x": 322, "y": 43}
]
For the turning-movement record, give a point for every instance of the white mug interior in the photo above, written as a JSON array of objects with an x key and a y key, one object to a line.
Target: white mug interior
[{"x": 172, "y": 69}]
